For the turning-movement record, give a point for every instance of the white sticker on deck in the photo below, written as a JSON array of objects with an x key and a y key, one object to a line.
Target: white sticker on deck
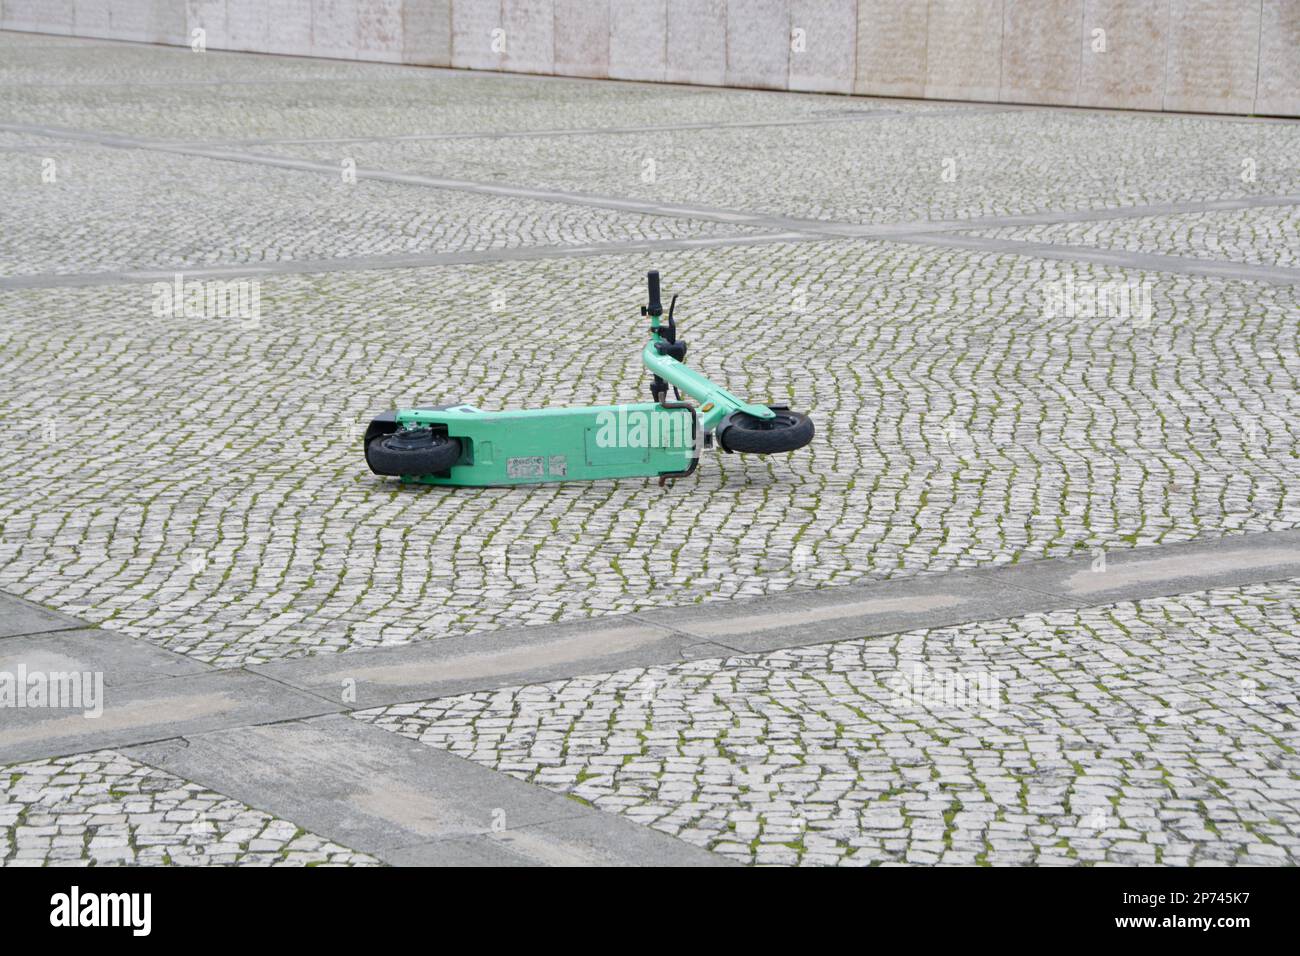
[{"x": 525, "y": 467}]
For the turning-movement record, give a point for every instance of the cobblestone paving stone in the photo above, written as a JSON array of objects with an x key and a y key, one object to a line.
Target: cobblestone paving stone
[
  {"x": 22, "y": 141},
  {"x": 222, "y": 507},
  {"x": 104, "y": 809},
  {"x": 189, "y": 212},
  {"x": 47, "y": 60},
  {"x": 1260, "y": 236},
  {"x": 1156, "y": 732},
  {"x": 199, "y": 483},
  {"x": 82, "y": 87},
  {"x": 884, "y": 170}
]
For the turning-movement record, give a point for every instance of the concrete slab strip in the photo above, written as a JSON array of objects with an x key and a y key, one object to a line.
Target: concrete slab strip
[
  {"x": 19, "y": 618},
  {"x": 846, "y": 115},
  {"x": 155, "y": 710},
  {"x": 287, "y": 749},
  {"x": 397, "y": 799},
  {"x": 471, "y": 662},
  {"x": 802, "y": 617},
  {"x": 942, "y": 600},
  {"x": 408, "y": 261},
  {"x": 1141, "y": 573},
  {"x": 150, "y": 695},
  {"x": 483, "y": 662},
  {"x": 122, "y": 660},
  {"x": 1120, "y": 258},
  {"x": 922, "y": 232},
  {"x": 1102, "y": 214}
]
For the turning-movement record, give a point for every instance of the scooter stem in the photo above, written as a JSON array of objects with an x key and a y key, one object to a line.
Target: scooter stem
[{"x": 715, "y": 401}]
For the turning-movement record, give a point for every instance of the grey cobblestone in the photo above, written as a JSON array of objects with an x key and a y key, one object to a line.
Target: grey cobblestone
[
  {"x": 1261, "y": 236},
  {"x": 226, "y": 511},
  {"x": 77, "y": 85},
  {"x": 104, "y": 809},
  {"x": 1156, "y": 732},
  {"x": 77, "y": 223},
  {"x": 55, "y": 61},
  {"x": 199, "y": 482},
  {"x": 929, "y": 165}
]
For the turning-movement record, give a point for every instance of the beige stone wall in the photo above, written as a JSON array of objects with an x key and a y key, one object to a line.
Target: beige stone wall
[{"x": 1216, "y": 56}]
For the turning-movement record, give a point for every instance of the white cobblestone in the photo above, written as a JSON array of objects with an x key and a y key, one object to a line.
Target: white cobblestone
[
  {"x": 1185, "y": 753},
  {"x": 104, "y": 809}
]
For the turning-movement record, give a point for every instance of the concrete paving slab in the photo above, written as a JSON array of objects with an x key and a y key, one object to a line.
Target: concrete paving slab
[
  {"x": 599, "y": 841},
  {"x": 591, "y": 839},
  {"x": 382, "y": 794},
  {"x": 529, "y": 27},
  {"x": 154, "y": 710},
  {"x": 1157, "y": 572},
  {"x": 472, "y": 662},
  {"x": 963, "y": 50},
  {"x": 891, "y": 49},
  {"x": 426, "y": 33},
  {"x": 1212, "y": 58},
  {"x": 758, "y": 44},
  {"x": 122, "y": 660},
  {"x": 1145, "y": 261},
  {"x": 402, "y": 261},
  {"x": 816, "y": 617},
  {"x": 823, "y": 55},
  {"x": 19, "y": 617},
  {"x": 531, "y": 655},
  {"x": 795, "y": 619},
  {"x": 479, "y": 850}
]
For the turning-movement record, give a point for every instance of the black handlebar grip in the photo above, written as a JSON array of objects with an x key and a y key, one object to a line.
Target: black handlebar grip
[{"x": 656, "y": 306}]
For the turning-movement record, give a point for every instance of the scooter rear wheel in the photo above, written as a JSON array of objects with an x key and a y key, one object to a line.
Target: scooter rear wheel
[
  {"x": 412, "y": 453},
  {"x": 785, "y": 431}
]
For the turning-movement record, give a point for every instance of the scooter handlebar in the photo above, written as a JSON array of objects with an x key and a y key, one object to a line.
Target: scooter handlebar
[{"x": 656, "y": 306}]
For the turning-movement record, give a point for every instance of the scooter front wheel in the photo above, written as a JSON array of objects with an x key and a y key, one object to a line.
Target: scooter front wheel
[
  {"x": 412, "y": 453},
  {"x": 785, "y": 431}
]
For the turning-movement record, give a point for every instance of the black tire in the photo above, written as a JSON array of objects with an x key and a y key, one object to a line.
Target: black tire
[
  {"x": 412, "y": 453},
  {"x": 765, "y": 436}
]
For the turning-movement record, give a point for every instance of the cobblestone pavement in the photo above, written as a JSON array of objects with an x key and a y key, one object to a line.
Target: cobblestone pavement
[
  {"x": 917, "y": 165},
  {"x": 197, "y": 481},
  {"x": 76, "y": 224},
  {"x": 1156, "y": 732},
  {"x": 1263, "y": 236},
  {"x": 167, "y": 93},
  {"x": 104, "y": 809},
  {"x": 225, "y": 511}
]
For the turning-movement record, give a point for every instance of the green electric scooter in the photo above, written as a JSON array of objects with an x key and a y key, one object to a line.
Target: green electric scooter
[{"x": 462, "y": 445}]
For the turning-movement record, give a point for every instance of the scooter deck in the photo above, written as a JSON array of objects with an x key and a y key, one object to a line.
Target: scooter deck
[{"x": 537, "y": 445}]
